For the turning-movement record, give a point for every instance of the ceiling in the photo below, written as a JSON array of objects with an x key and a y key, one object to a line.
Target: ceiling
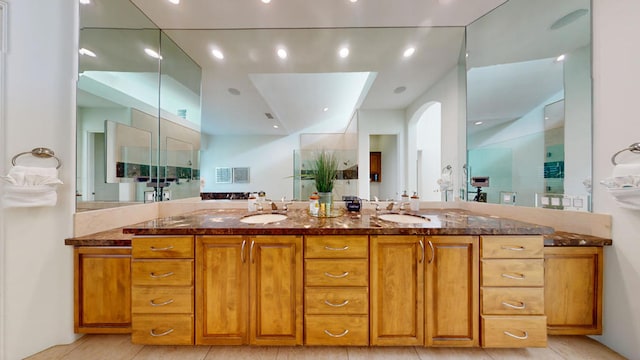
[{"x": 251, "y": 81}]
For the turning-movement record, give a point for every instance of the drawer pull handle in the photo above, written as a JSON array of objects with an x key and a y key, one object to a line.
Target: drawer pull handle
[
  {"x": 343, "y": 275},
  {"x": 153, "y": 333},
  {"x": 346, "y": 247},
  {"x": 523, "y": 337},
  {"x": 157, "y": 276},
  {"x": 336, "y": 335},
  {"x": 514, "y": 277},
  {"x": 153, "y": 248},
  {"x": 154, "y": 303},
  {"x": 514, "y": 248},
  {"x": 336, "y": 305},
  {"x": 521, "y": 305}
]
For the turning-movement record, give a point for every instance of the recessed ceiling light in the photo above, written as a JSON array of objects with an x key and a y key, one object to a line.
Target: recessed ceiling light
[
  {"x": 275, "y": 126},
  {"x": 399, "y": 89},
  {"x": 409, "y": 51},
  {"x": 478, "y": 123},
  {"x": 233, "y": 91},
  {"x": 87, "y": 52},
  {"x": 353, "y": 1},
  {"x": 152, "y": 53},
  {"x": 325, "y": 109},
  {"x": 569, "y": 18},
  {"x": 175, "y": 2},
  {"x": 218, "y": 54},
  {"x": 85, "y": 2},
  {"x": 560, "y": 58},
  {"x": 266, "y": 1},
  {"x": 344, "y": 52},
  {"x": 282, "y": 53}
]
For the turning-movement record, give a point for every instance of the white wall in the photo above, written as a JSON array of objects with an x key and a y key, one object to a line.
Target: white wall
[
  {"x": 36, "y": 266},
  {"x": 616, "y": 125},
  {"x": 429, "y": 141}
]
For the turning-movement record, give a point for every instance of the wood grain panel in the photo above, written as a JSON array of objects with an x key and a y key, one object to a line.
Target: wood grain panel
[
  {"x": 516, "y": 272},
  {"x": 334, "y": 246},
  {"x": 331, "y": 330},
  {"x": 513, "y": 247},
  {"x": 513, "y": 301},
  {"x": 162, "y": 247},
  {"x": 514, "y": 331},
  {"x": 332, "y": 301},
  {"x": 351, "y": 272},
  {"x": 162, "y": 272}
]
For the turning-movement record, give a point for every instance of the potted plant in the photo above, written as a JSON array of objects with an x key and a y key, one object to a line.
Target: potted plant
[{"x": 325, "y": 168}]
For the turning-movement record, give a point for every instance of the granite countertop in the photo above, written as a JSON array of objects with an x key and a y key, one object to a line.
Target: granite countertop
[{"x": 299, "y": 222}]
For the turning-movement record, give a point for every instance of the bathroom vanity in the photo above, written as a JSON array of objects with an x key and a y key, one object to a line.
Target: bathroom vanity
[{"x": 449, "y": 278}]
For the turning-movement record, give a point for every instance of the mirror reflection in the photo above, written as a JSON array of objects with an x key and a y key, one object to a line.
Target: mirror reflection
[{"x": 529, "y": 105}]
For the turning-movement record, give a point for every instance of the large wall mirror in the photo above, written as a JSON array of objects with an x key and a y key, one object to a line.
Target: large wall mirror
[
  {"x": 267, "y": 95},
  {"x": 529, "y": 104}
]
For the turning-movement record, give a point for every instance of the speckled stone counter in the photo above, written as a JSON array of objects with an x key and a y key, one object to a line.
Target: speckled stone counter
[{"x": 561, "y": 238}]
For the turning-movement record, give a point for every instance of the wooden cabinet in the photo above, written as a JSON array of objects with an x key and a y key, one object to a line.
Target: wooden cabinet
[
  {"x": 512, "y": 284},
  {"x": 397, "y": 290},
  {"x": 452, "y": 289},
  {"x": 102, "y": 291},
  {"x": 375, "y": 166},
  {"x": 336, "y": 292},
  {"x": 573, "y": 290},
  {"x": 162, "y": 290},
  {"x": 249, "y": 290}
]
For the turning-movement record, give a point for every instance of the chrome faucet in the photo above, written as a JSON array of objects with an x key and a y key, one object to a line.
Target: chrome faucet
[{"x": 285, "y": 204}]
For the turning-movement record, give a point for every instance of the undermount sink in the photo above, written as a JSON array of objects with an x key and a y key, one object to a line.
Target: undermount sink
[
  {"x": 403, "y": 218},
  {"x": 262, "y": 218}
]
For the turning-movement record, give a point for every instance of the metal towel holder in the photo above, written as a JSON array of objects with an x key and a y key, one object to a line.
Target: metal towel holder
[
  {"x": 40, "y": 152},
  {"x": 634, "y": 148}
]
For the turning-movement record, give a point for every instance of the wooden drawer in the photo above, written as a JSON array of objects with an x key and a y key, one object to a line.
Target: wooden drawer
[
  {"x": 163, "y": 247},
  {"x": 512, "y": 301},
  {"x": 352, "y": 272},
  {"x": 514, "y": 331},
  {"x": 162, "y": 329},
  {"x": 332, "y": 247},
  {"x": 520, "y": 247},
  {"x": 517, "y": 272},
  {"x": 337, "y": 330},
  {"x": 162, "y": 300},
  {"x": 162, "y": 272},
  {"x": 332, "y": 301}
]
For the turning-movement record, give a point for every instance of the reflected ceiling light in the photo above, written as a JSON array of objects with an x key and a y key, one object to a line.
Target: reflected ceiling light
[
  {"x": 344, "y": 52},
  {"x": 152, "y": 53},
  {"x": 409, "y": 51},
  {"x": 87, "y": 52},
  {"x": 399, "y": 89},
  {"x": 266, "y": 1},
  {"x": 560, "y": 58},
  {"x": 85, "y": 2},
  {"x": 569, "y": 18},
  {"x": 282, "y": 53},
  {"x": 218, "y": 54},
  {"x": 325, "y": 109},
  {"x": 233, "y": 91},
  {"x": 478, "y": 123},
  {"x": 175, "y": 2},
  {"x": 353, "y": 1},
  {"x": 275, "y": 126}
]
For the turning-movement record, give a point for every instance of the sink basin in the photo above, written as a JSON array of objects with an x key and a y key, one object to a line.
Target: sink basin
[
  {"x": 263, "y": 218},
  {"x": 403, "y": 218}
]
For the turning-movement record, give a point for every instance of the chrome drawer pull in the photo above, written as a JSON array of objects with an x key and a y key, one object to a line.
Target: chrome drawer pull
[
  {"x": 514, "y": 277},
  {"x": 346, "y": 247},
  {"x": 157, "y": 276},
  {"x": 516, "y": 248},
  {"x": 344, "y": 274},
  {"x": 336, "y": 305},
  {"x": 338, "y": 335},
  {"x": 152, "y": 332},
  {"x": 524, "y": 337},
  {"x": 517, "y": 307},
  {"x": 154, "y": 303},
  {"x": 153, "y": 248}
]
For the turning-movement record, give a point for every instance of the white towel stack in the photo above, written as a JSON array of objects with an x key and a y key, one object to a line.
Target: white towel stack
[
  {"x": 624, "y": 185},
  {"x": 28, "y": 186}
]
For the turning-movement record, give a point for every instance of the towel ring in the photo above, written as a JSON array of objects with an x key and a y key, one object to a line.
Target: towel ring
[
  {"x": 634, "y": 148},
  {"x": 41, "y": 153}
]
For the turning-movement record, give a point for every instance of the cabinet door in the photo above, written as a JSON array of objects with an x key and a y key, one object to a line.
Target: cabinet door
[
  {"x": 222, "y": 275},
  {"x": 276, "y": 290},
  {"x": 397, "y": 290},
  {"x": 102, "y": 290},
  {"x": 573, "y": 290},
  {"x": 452, "y": 291}
]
